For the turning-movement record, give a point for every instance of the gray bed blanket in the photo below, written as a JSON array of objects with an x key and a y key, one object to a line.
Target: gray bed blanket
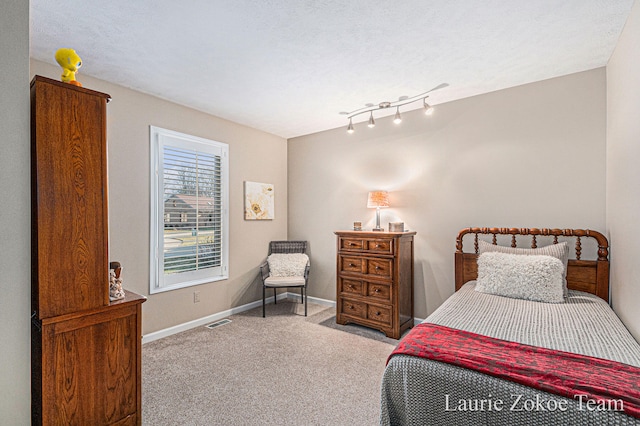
[{"x": 417, "y": 391}]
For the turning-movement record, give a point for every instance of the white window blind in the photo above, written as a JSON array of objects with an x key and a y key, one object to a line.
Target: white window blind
[{"x": 189, "y": 238}]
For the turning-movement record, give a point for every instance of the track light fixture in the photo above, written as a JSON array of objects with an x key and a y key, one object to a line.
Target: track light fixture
[{"x": 403, "y": 100}]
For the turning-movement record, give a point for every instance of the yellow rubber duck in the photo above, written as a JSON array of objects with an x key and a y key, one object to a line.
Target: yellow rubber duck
[{"x": 70, "y": 62}]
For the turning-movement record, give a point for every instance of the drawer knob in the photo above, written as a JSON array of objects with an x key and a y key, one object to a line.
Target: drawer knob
[
  {"x": 378, "y": 313},
  {"x": 351, "y": 307},
  {"x": 377, "y": 267},
  {"x": 352, "y": 264},
  {"x": 377, "y": 290},
  {"x": 350, "y": 286}
]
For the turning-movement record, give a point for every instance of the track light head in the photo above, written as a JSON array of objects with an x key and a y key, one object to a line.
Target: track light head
[
  {"x": 428, "y": 109},
  {"x": 372, "y": 122},
  {"x": 397, "y": 119},
  {"x": 350, "y": 127}
]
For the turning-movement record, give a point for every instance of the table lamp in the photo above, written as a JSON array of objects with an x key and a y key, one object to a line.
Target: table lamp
[{"x": 377, "y": 200}]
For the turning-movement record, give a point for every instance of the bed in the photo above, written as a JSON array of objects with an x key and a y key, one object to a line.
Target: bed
[{"x": 456, "y": 385}]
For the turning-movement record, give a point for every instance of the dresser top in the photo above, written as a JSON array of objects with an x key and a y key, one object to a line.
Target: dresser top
[{"x": 374, "y": 234}]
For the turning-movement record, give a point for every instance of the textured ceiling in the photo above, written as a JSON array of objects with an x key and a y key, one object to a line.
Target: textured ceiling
[{"x": 288, "y": 67}]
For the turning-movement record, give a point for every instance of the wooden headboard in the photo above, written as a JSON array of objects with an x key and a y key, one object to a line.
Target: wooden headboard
[{"x": 591, "y": 276}]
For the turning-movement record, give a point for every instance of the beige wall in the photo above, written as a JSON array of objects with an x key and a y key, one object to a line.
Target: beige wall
[
  {"x": 15, "y": 242},
  {"x": 623, "y": 173},
  {"x": 444, "y": 175},
  {"x": 529, "y": 156},
  {"x": 253, "y": 155}
]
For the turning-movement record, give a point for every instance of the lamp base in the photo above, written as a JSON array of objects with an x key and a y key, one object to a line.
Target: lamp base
[{"x": 378, "y": 228}]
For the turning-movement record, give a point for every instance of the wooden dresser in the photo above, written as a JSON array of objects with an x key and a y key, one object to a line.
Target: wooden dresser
[
  {"x": 375, "y": 280},
  {"x": 85, "y": 349}
]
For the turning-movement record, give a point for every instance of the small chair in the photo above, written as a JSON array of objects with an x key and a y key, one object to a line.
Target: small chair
[{"x": 285, "y": 282}]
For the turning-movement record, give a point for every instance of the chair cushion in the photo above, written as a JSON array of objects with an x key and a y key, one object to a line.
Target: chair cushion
[
  {"x": 287, "y": 264},
  {"x": 284, "y": 281}
]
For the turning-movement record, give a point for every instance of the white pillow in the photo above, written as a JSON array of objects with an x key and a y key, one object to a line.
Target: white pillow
[
  {"x": 538, "y": 278},
  {"x": 560, "y": 251},
  {"x": 287, "y": 264}
]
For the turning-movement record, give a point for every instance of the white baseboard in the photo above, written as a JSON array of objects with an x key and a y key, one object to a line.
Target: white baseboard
[
  {"x": 315, "y": 300},
  {"x": 220, "y": 315}
]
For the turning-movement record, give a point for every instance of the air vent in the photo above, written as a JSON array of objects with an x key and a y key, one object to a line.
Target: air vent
[{"x": 218, "y": 323}]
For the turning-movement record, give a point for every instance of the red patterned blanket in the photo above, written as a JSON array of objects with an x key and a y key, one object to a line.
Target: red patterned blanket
[{"x": 592, "y": 381}]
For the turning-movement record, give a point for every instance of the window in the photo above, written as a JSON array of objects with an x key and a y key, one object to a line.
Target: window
[{"x": 189, "y": 211}]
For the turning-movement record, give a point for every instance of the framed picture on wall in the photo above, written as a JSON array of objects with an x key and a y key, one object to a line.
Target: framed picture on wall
[{"x": 258, "y": 201}]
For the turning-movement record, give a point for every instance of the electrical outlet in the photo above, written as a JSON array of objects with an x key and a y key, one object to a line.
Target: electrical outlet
[{"x": 196, "y": 296}]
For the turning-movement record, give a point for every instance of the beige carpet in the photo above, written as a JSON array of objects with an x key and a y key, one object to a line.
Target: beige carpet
[{"x": 284, "y": 369}]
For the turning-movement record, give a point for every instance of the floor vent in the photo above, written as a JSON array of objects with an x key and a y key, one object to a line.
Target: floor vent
[{"x": 218, "y": 323}]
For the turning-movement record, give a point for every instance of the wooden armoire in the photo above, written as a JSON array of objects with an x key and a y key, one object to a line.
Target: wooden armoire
[{"x": 85, "y": 349}]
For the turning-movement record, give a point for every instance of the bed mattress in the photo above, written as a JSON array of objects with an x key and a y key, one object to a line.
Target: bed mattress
[{"x": 417, "y": 391}]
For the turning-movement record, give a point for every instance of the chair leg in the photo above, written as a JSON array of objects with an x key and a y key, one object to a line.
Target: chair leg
[
  {"x": 301, "y": 294},
  {"x": 275, "y": 299},
  {"x": 263, "y": 297},
  {"x": 306, "y": 293}
]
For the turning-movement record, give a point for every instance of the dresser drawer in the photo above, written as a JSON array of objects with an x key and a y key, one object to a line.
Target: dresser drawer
[
  {"x": 354, "y": 309},
  {"x": 352, "y": 264},
  {"x": 379, "y": 314},
  {"x": 379, "y": 291},
  {"x": 350, "y": 286},
  {"x": 382, "y": 268},
  {"x": 382, "y": 315},
  {"x": 379, "y": 246},
  {"x": 351, "y": 244},
  {"x": 366, "y": 245}
]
